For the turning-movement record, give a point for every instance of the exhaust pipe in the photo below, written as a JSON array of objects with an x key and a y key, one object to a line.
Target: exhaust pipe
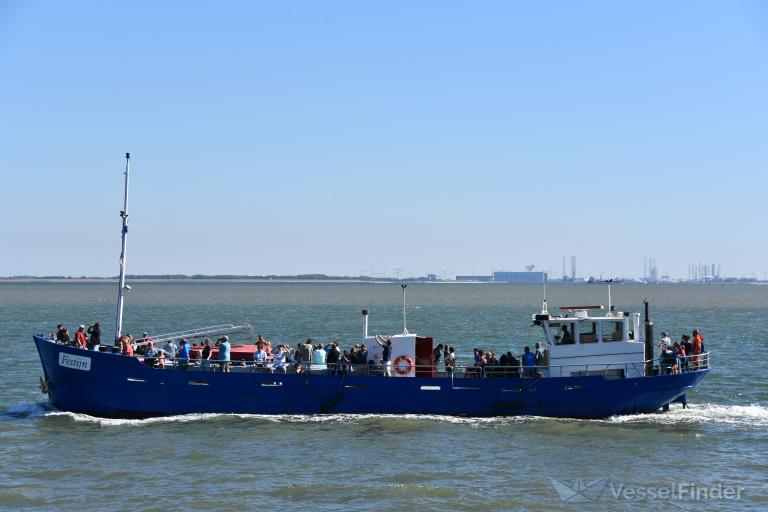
[
  {"x": 365, "y": 323},
  {"x": 648, "y": 338}
]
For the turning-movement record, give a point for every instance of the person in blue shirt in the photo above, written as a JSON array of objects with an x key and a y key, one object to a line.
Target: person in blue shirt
[
  {"x": 224, "y": 351},
  {"x": 183, "y": 355},
  {"x": 151, "y": 354},
  {"x": 529, "y": 362}
]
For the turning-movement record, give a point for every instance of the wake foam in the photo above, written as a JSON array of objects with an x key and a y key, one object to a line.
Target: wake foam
[
  {"x": 742, "y": 415},
  {"x": 747, "y": 416},
  {"x": 270, "y": 418}
]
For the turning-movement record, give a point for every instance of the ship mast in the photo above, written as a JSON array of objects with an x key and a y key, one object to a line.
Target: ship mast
[
  {"x": 121, "y": 290},
  {"x": 405, "y": 328}
]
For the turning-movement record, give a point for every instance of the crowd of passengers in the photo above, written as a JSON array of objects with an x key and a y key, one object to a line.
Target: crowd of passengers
[
  {"x": 305, "y": 356},
  {"x": 682, "y": 355},
  {"x": 673, "y": 357}
]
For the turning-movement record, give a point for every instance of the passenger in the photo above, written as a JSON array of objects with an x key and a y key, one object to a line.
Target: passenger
[
  {"x": 491, "y": 365},
  {"x": 664, "y": 342},
  {"x": 332, "y": 359},
  {"x": 80, "y": 339},
  {"x": 95, "y": 336},
  {"x": 58, "y": 335},
  {"x": 386, "y": 354},
  {"x": 539, "y": 355},
  {"x": 450, "y": 361},
  {"x": 144, "y": 337},
  {"x": 681, "y": 359},
  {"x": 318, "y": 358},
  {"x": 529, "y": 362},
  {"x": 171, "y": 349},
  {"x": 687, "y": 349},
  {"x": 280, "y": 357},
  {"x": 698, "y": 344},
  {"x": 306, "y": 351},
  {"x": 437, "y": 354},
  {"x": 567, "y": 336},
  {"x": 345, "y": 363},
  {"x": 205, "y": 355},
  {"x": 363, "y": 354},
  {"x": 66, "y": 339},
  {"x": 126, "y": 347},
  {"x": 224, "y": 353},
  {"x": 354, "y": 357},
  {"x": 701, "y": 337},
  {"x": 183, "y": 354},
  {"x": 160, "y": 359},
  {"x": 150, "y": 354},
  {"x": 259, "y": 357}
]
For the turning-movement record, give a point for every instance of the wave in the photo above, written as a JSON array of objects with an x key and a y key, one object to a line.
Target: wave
[
  {"x": 28, "y": 410},
  {"x": 753, "y": 415},
  {"x": 282, "y": 418},
  {"x": 741, "y": 415}
]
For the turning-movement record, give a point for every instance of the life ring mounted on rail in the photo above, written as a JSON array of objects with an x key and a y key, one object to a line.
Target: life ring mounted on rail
[{"x": 404, "y": 361}]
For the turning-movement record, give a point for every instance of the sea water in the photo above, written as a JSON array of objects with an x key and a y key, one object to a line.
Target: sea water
[{"x": 54, "y": 460}]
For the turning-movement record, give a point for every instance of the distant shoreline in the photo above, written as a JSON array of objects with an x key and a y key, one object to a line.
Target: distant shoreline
[
  {"x": 318, "y": 279},
  {"x": 185, "y": 280}
]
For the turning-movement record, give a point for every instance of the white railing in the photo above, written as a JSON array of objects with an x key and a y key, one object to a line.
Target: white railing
[{"x": 608, "y": 370}]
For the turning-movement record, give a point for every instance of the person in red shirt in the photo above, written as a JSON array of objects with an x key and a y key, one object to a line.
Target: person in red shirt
[
  {"x": 80, "y": 337},
  {"x": 698, "y": 343},
  {"x": 126, "y": 347}
]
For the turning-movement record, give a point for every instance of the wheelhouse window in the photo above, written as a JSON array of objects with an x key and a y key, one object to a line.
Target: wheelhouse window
[
  {"x": 562, "y": 333},
  {"x": 612, "y": 331},
  {"x": 587, "y": 332}
]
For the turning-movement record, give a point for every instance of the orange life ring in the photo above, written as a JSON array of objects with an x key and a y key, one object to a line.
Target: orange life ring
[{"x": 410, "y": 365}]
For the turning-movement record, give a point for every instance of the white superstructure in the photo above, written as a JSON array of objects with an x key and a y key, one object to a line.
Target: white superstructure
[{"x": 579, "y": 343}]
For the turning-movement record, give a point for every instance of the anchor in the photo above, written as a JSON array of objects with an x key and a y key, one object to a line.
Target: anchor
[{"x": 45, "y": 386}]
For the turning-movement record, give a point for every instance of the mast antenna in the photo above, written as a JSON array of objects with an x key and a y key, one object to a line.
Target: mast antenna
[
  {"x": 405, "y": 328},
  {"x": 544, "y": 310},
  {"x": 122, "y": 286}
]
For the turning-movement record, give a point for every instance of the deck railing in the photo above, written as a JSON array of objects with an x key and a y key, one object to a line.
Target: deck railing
[{"x": 609, "y": 370}]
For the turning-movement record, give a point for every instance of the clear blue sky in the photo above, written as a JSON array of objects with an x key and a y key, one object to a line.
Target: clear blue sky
[{"x": 338, "y": 137}]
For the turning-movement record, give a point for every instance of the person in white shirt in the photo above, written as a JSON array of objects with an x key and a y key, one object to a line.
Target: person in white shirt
[
  {"x": 171, "y": 349},
  {"x": 280, "y": 357},
  {"x": 665, "y": 342},
  {"x": 260, "y": 357}
]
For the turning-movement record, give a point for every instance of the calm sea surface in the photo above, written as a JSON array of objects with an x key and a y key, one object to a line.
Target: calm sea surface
[{"x": 60, "y": 461}]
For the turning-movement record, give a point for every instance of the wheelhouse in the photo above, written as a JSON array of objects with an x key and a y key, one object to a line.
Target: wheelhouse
[{"x": 580, "y": 342}]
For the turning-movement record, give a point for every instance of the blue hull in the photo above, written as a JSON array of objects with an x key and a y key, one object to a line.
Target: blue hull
[{"x": 123, "y": 387}]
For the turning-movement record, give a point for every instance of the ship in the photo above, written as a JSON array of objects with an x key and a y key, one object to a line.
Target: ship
[{"x": 595, "y": 362}]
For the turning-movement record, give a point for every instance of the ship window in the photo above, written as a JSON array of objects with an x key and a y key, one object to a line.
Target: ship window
[
  {"x": 612, "y": 331},
  {"x": 556, "y": 329},
  {"x": 587, "y": 332}
]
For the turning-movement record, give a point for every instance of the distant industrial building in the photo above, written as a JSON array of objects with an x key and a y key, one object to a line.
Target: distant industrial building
[
  {"x": 480, "y": 279},
  {"x": 520, "y": 277},
  {"x": 508, "y": 277}
]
